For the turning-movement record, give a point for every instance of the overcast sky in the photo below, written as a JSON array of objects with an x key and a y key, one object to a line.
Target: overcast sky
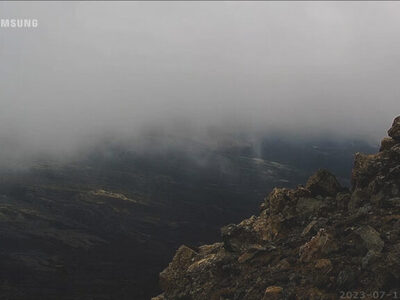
[{"x": 95, "y": 68}]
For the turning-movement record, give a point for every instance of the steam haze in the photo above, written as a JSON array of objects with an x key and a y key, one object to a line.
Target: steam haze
[{"x": 97, "y": 69}]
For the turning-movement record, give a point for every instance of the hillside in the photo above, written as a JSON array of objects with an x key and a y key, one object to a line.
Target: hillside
[
  {"x": 318, "y": 241},
  {"x": 103, "y": 226}
]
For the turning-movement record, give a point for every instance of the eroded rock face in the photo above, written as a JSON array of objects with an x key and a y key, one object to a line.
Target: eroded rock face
[
  {"x": 394, "y": 131},
  {"x": 307, "y": 243},
  {"x": 387, "y": 143},
  {"x": 376, "y": 178}
]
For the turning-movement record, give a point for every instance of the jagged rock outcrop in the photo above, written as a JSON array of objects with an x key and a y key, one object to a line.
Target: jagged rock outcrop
[
  {"x": 394, "y": 131},
  {"x": 312, "y": 242}
]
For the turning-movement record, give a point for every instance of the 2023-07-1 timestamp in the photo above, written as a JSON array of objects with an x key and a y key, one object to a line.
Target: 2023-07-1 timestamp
[{"x": 370, "y": 295}]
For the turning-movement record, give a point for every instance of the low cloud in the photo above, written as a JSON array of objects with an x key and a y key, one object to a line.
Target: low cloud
[{"x": 95, "y": 70}]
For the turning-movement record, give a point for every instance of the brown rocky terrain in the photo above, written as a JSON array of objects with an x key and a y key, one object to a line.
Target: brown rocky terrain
[{"x": 318, "y": 241}]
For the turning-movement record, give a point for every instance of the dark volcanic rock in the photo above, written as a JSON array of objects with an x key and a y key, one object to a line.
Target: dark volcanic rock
[
  {"x": 394, "y": 131},
  {"x": 183, "y": 258},
  {"x": 371, "y": 238},
  {"x": 387, "y": 143},
  {"x": 307, "y": 243},
  {"x": 323, "y": 183}
]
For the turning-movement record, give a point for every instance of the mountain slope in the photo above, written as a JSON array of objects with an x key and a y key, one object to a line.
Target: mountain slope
[{"x": 105, "y": 225}]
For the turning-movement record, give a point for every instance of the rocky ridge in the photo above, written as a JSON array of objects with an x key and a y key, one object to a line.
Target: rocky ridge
[{"x": 318, "y": 241}]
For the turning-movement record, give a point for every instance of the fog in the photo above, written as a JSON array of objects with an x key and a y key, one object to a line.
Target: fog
[{"x": 93, "y": 70}]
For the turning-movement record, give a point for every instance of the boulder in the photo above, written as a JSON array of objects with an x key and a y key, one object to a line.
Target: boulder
[
  {"x": 277, "y": 200},
  {"x": 183, "y": 258},
  {"x": 283, "y": 201},
  {"x": 309, "y": 206},
  {"x": 282, "y": 265},
  {"x": 371, "y": 238},
  {"x": 323, "y": 263},
  {"x": 273, "y": 293},
  {"x": 323, "y": 183},
  {"x": 239, "y": 237},
  {"x": 320, "y": 244}
]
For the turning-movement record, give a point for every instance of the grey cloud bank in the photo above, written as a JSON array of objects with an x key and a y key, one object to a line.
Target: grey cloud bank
[{"x": 93, "y": 69}]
